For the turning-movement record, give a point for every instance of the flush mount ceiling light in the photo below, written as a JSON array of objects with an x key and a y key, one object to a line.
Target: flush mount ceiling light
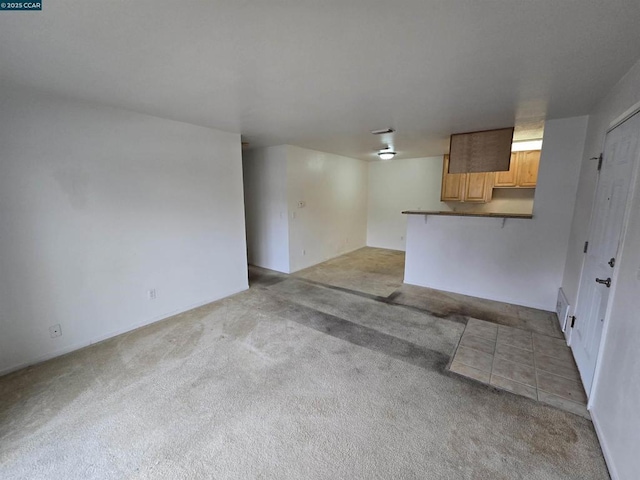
[{"x": 386, "y": 153}]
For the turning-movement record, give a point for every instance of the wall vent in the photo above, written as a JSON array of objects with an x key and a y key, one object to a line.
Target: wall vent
[{"x": 562, "y": 309}]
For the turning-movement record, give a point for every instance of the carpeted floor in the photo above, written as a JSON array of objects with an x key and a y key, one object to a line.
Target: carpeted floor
[
  {"x": 376, "y": 271},
  {"x": 289, "y": 380},
  {"x": 379, "y": 272}
]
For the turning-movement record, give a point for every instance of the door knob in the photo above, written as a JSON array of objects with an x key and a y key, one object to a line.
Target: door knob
[
  {"x": 606, "y": 282},
  {"x": 612, "y": 262}
]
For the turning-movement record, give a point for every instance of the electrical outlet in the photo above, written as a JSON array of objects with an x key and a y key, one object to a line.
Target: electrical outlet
[
  {"x": 55, "y": 331},
  {"x": 152, "y": 294},
  {"x": 401, "y": 237},
  {"x": 304, "y": 252}
]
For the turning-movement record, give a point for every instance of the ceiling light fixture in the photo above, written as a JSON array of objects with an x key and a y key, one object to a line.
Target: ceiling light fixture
[
  {"x": 382, "y": 131},
  {"x": 386, "y": 153}
]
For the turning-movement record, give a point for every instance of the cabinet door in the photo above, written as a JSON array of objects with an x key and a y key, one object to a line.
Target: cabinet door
[
  {"x": 452, "y": 184},
  {"x": 528, "y": 163},
  {"x": 508, "y": 179},
  {"x": 478, "y": 187}
]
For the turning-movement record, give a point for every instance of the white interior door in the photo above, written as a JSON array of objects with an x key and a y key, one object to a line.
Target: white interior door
[{"x": 605, "y": 233}]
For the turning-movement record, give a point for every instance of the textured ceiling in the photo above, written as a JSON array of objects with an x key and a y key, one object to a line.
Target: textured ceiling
[{"x": 321, "y": 74}]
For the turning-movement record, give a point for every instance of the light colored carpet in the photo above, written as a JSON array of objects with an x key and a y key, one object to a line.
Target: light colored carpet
[
  {"x": 376, "y": 271},
  {"x": 289, "y": 380},
  {"x": 379, "y": 272}
]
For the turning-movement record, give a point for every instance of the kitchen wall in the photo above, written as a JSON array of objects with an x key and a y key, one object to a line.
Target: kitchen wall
[
  {"x": 311, "y": 205},
  {"x": 520, "y": 261},
  {"x": 504, "y": 200},
  {"x": 97, "y": 207},
  {"x": 615, "y": 394},
  {"x": 266, "y": 205},
  {"x": 397, "y": 185},
  {"x": 415, "y": 184}
]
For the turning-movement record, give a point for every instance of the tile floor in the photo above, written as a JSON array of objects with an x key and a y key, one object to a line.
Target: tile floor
[{"x": 523, "y": 362}]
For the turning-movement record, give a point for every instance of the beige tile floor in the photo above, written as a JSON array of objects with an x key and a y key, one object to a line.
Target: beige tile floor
[{"x": 523, "y": 362}]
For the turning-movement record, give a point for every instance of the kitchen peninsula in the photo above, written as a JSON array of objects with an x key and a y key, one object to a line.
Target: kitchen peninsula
[{"x": 494, "y": 250}]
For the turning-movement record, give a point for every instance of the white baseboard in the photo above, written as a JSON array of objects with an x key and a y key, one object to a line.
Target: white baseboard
[{"x": 603, "y": 445}]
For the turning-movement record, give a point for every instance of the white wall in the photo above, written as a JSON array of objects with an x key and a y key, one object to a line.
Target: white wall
[
  {"x": 99, "y": 205},
  {"x": 286, "y": 237},
  {"x": 414, "y": 184},
  {"x": 616, "y": 390},
  {"x": 625, "y": 94},
  {"x": 265, "y": 193},
  {"x": 521, "y": 263},
  {"x": 397, "y": 185},
  {"x": 334, "y": 218}
]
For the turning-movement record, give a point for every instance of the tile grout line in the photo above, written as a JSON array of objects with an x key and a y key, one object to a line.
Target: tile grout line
[
  {"x": 562, "y": 398},
  {"x": 505, "y": 389},
  {"x": 455, "y": 351},
  {"x": 535, "y": 367},
  {"x": 547, "y": 372},
  {"x": 475, "y": 350},
  {"x": 517, "y": 348},
  {"x": 493, "y": 358},
  {"x": 579, "y": 384}
]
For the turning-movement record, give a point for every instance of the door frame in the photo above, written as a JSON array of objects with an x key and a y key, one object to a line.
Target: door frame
[
  {"x": 631, "y": 112},
  {"x": 568, "y": 333}
]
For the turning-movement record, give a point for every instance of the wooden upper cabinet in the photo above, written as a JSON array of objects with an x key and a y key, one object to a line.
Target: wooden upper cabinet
[
  {"x": 528, "y": 163},
  {"x": 478, "y": 187},
  {"x": 452, "y": 184},
  {"x": 507, "y": 179},
  {"x": 523, "y": 171},
  {"x": 465, "y": 187}
]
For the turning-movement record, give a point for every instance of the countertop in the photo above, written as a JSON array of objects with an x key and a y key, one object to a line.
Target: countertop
[{"x": 469, "y": 214}]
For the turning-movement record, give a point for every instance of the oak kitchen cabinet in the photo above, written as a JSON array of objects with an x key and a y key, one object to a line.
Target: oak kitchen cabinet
[
  {"x": 523, "y": 171},
  {"x": 466, "y": 187}
]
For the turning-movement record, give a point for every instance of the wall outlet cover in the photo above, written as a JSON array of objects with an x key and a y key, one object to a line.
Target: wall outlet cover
[{"x": 55, "y": 331}]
